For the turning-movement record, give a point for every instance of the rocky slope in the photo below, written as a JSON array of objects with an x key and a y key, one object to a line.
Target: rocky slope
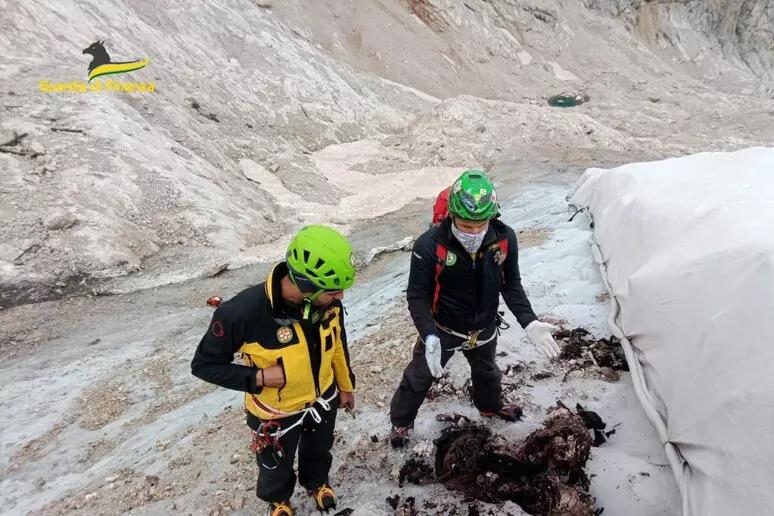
[{"x": 115, "y": 191}]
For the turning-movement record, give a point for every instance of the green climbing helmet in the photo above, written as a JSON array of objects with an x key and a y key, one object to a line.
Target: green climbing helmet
[
  {"x": 322, "y": 256},
  {"x": 473, "y": 197}
]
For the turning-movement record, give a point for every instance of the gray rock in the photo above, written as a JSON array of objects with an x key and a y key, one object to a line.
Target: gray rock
[
  {"x": 217, "y": 270},
  {"x": 609, "y": 374},
  {"x": 37, "y": 148},
  {"x": 59, "y": 219}
]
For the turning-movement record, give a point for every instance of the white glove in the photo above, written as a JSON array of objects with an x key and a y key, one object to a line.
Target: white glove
[
  {"x": 433, "y": 355},
  {"x": 539, "y": 334}
]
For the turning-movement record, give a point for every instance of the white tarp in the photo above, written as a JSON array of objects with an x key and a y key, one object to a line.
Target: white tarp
[{"x": 686, "y": 246}]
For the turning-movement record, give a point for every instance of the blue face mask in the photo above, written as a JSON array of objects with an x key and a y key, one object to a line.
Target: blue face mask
[{"x": 470, "y": 241}]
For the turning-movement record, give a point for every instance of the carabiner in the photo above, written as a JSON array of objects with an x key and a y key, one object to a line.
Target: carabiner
[{"x": 472, "y": 339}]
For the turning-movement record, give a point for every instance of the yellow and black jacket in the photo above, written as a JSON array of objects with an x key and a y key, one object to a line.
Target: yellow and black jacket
[{"x": 257, "y": 324}]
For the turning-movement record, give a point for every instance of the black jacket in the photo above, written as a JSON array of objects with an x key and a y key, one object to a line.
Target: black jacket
[
  {"x": 469, "y": 295},
  {"x": 256, "y": 324}
]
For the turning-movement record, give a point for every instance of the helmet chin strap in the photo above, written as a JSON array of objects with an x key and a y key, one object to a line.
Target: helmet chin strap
[
  {"x": 308, "y": 298},
  {"x": 308, "y": 303}
]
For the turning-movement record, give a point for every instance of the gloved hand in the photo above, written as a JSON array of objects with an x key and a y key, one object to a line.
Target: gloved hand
[
  {"x": 539, "y": 334},
  {"x": 433, "y": 355}
]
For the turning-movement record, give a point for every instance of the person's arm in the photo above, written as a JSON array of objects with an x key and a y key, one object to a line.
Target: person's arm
[
  {"x": 342, "y": 369},
  {"x": 512, "y": 290},
  {"x": 213, "y": 359},
  {"x": 421, "y": 285}
]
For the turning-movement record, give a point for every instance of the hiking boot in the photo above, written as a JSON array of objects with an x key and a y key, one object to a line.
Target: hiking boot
[
  {"x": 399, "y": 436},
  {"x": 509, "y": 412},
  {"x": 280, "y": 509},
  {"x": 324, "y": 497}
]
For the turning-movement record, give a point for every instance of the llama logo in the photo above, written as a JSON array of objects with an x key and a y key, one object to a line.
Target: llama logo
[{"x": 102, "y": 65}]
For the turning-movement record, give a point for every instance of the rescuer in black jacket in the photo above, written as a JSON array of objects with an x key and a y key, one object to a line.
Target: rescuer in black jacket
[{"x": 458, "y": 271}]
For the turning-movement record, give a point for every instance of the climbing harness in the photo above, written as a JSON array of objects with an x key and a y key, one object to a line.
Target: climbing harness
[
  {"x": 268, "y": 434},
  {"x": 471, "y": 340}
]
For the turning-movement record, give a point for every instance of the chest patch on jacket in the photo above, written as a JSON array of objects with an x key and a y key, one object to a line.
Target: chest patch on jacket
[
  {"x": 284, "y": 334},
  {"x": 500, "y": 253}
]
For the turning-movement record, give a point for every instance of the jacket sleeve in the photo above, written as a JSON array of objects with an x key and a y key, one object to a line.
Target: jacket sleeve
[
  {"x": 512, "y": 290},
  {"x": 421, "y": 285},
  {"x": 342, "y": 369},
  {"x": 213, "y": 359}
]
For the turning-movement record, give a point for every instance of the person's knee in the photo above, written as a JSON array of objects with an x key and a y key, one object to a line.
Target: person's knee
[
  {"x": 416, "y": 376},
  {"x": 321, "y": 450},
  {"x": 487, "y": 373},
  {"x": 419, "y": 380}
]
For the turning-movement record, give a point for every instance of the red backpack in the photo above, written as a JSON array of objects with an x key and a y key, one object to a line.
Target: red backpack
[{"x": 441, "y": 206}]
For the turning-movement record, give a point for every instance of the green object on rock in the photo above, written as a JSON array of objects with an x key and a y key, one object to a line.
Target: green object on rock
[{"x": 566, "y": 100}]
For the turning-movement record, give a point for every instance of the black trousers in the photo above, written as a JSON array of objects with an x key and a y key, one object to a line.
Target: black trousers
[
  {"x": 416, "y": 381},
  {"x": 313, "y": 442}
]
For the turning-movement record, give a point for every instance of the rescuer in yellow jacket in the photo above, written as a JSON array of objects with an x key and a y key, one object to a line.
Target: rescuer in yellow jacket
[{"x": 295, "y": 369}]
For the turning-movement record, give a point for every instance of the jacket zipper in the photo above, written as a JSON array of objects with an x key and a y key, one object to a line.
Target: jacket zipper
[
  {"x": 279, "y": 391},
  {"x": 312, "y": 334}
]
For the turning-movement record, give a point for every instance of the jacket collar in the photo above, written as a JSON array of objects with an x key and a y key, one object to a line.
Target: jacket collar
[
  {"x": 281, "y": 312},
  {"x": 273, "y": 289}
]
